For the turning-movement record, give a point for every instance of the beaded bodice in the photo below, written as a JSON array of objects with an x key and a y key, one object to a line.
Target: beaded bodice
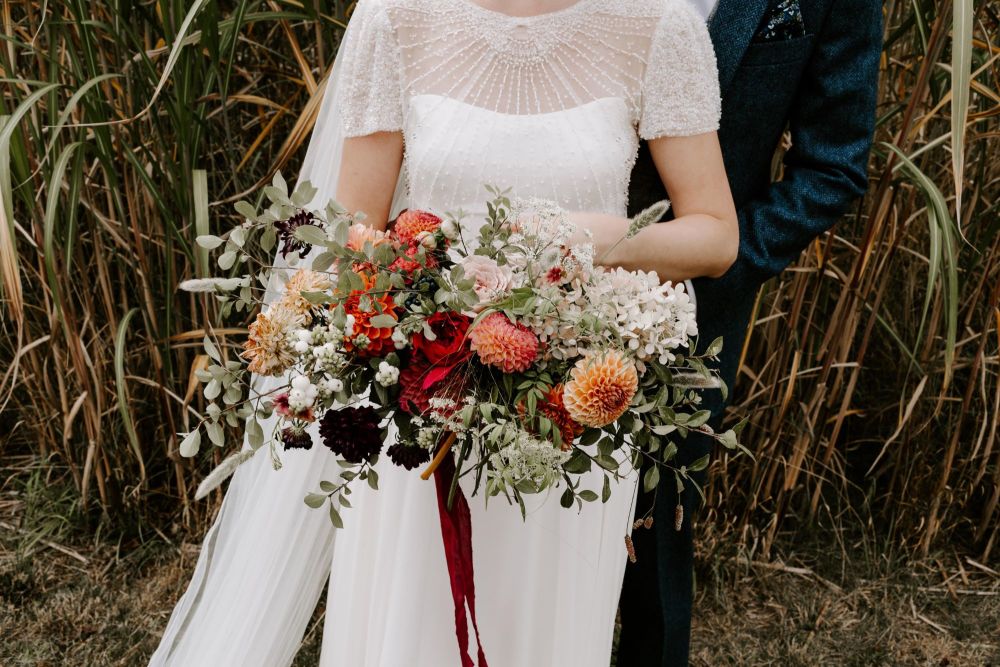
[{"x": 552, "y": 105}]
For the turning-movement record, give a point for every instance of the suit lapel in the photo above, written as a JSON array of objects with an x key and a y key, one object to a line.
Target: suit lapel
[{"x": 732, "y": 26}]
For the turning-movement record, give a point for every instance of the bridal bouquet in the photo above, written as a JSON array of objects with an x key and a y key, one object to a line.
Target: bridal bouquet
[{"x": 510, "y": 356}]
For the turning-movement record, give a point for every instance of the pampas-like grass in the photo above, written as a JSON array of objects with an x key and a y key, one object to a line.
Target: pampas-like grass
[{"x": 223, "y": 471}]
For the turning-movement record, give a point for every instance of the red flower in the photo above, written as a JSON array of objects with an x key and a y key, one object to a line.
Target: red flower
[
  {"x": 416, "y": 391},
  {"x": 410, "y": 264},
  {"x": 450, "y": 346}
]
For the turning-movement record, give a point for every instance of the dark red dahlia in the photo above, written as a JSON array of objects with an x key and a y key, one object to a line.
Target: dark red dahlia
[
  {"x": 286, "y": 233},
  {"x": 352, "y": 433},
  {"x": 295, "y": 437},
  {"x": 408, "y": 456}
]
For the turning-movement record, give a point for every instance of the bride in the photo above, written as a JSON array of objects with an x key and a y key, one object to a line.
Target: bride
[{"x": 432, "y": 100}]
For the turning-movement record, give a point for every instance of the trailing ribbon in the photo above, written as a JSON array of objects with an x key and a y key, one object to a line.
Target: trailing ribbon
[{"x": 456, "y": 531}]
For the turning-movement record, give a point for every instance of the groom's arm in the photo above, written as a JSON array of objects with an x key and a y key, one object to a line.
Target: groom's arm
[{"x": 831, "y": 121}]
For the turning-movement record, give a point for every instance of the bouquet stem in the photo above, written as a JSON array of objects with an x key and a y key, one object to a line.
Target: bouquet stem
[{"x": 439, "y": 457}]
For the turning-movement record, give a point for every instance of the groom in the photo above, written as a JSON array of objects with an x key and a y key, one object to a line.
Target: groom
[{"x": 810, "y": 65}]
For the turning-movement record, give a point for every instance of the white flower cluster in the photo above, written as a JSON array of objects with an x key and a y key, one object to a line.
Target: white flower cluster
[
  {"x": 322, "y": 348},
  {"x": 387, "y": 374},
  {"x": 652, "y": 319},
  {"x": 528, "y": 459},
  {"x": 302, "y": 395}
]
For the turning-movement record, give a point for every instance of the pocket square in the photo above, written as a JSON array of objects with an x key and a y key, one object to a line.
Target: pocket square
[{"x": 784, "y": 21}]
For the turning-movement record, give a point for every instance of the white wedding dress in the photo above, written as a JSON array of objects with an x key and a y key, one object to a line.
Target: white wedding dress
[{"x": 552, "y": 106}]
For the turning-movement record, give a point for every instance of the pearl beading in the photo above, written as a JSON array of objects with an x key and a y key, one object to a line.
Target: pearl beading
[{"x": 552, "y": 105}]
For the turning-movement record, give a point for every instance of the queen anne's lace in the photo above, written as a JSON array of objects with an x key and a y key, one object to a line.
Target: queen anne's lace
[{"x": 553, "y": 105}]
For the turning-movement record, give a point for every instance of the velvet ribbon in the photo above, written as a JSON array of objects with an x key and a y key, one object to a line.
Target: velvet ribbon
[{"x": 456, "y": 531}]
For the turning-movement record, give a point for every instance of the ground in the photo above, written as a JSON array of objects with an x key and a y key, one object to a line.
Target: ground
[{"x": 103, "y": 604}]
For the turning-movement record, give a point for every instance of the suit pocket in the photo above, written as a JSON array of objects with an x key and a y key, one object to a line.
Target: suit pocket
[{"x": 781, "y": 52}]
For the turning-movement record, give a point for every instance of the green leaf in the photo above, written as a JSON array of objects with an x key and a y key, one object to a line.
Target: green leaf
[
  {"x": 216, "y": 434},
  {"x": 651, "y": 479},
  {"x": 315, "y": 500},
  {"x": 255, "y": 434},
  {"x": 578, "y": 463},
  {"x": 588, "y": 495},
  {"x": 383, "y": 321},
  {"x": 208, "y": 241},
  {"x": 714, "y": 348},
  {"x": 311, "y": 234},
  {"x": 335, "y": 517},
  {"x": 606, "y": 491},
  {"x": 700, "y": 464},
  {"x": 566, "y": 500},
  {"x": 190, "y": 444},
  {"x": 247, "y": 210}
]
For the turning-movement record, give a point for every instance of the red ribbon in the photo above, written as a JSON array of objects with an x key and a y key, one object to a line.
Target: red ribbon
[{"x": 456, "y": 531}]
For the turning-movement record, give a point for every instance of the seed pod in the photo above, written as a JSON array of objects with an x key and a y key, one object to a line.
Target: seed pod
[
  {"x": 678, "y": 517},
  {"x": 630, "y": 548},
  {"x": 648, "y": 523}
]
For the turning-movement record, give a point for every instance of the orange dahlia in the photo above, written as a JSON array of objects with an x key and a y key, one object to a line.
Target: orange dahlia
[
  {"x": 412, "y": 222},
  {"x": 267, "y": 347},
  {"x": 499, "y": 342},
  {"x": 553, "y": 408},
  {"x": 380, "y": 340},
  {"x": 303, "y": 280},
  {"x": 600, "y": 388}
]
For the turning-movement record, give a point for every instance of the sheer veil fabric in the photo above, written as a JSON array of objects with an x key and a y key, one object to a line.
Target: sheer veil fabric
[{"x": 553, "y": 106}]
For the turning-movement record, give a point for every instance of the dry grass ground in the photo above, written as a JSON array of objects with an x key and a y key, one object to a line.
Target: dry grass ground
[{"x": 64, "y": 601}]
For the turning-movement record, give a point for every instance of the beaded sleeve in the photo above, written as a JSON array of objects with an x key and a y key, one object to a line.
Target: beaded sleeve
[
  {"x": 680, "y": 87},
  {"x": 369, "y": 65}
]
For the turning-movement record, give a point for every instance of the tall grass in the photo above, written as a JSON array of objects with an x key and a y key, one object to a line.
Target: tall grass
[
  {"x": 871, "y": 371},
  {"x": 120, "y": 118}
]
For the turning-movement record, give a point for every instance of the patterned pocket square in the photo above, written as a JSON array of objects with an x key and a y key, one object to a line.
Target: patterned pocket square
[{"x": 784, "y": 21}]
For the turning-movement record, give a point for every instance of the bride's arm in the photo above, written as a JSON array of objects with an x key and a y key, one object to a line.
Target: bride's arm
[
  {"x": 369, "y": 169},
  {"x": 702, "y": 239}
]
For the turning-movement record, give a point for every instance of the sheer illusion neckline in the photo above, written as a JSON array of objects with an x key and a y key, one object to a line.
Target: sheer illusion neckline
[{"x": 527, "y": 18}]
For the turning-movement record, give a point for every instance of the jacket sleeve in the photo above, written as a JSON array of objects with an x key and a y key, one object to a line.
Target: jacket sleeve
[{"x": 832, "y": 121}]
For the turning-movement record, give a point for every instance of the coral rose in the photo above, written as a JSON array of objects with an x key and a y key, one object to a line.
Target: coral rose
[
  {"x": 499, "y": 342},
  {"x": 600, "y": 388}
]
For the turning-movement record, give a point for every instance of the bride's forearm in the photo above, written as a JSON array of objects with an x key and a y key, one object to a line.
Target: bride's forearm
[{"x": 690, "y": 246}]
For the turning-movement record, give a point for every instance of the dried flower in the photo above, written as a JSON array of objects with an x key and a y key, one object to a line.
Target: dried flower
[
  {"x": 268, "y": 349},
  {"x": 303, "y": 281}
]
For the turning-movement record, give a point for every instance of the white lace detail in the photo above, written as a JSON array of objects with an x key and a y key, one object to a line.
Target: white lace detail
[{"x": 552, "y": 105}]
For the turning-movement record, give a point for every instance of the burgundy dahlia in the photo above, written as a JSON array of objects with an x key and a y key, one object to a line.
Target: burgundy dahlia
[
  {"x": 295, "y": 437},
  {"x": 408, "y": 456},
  {"x": 352, "y": 433},
  {"x": 286, "y": 233}
]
